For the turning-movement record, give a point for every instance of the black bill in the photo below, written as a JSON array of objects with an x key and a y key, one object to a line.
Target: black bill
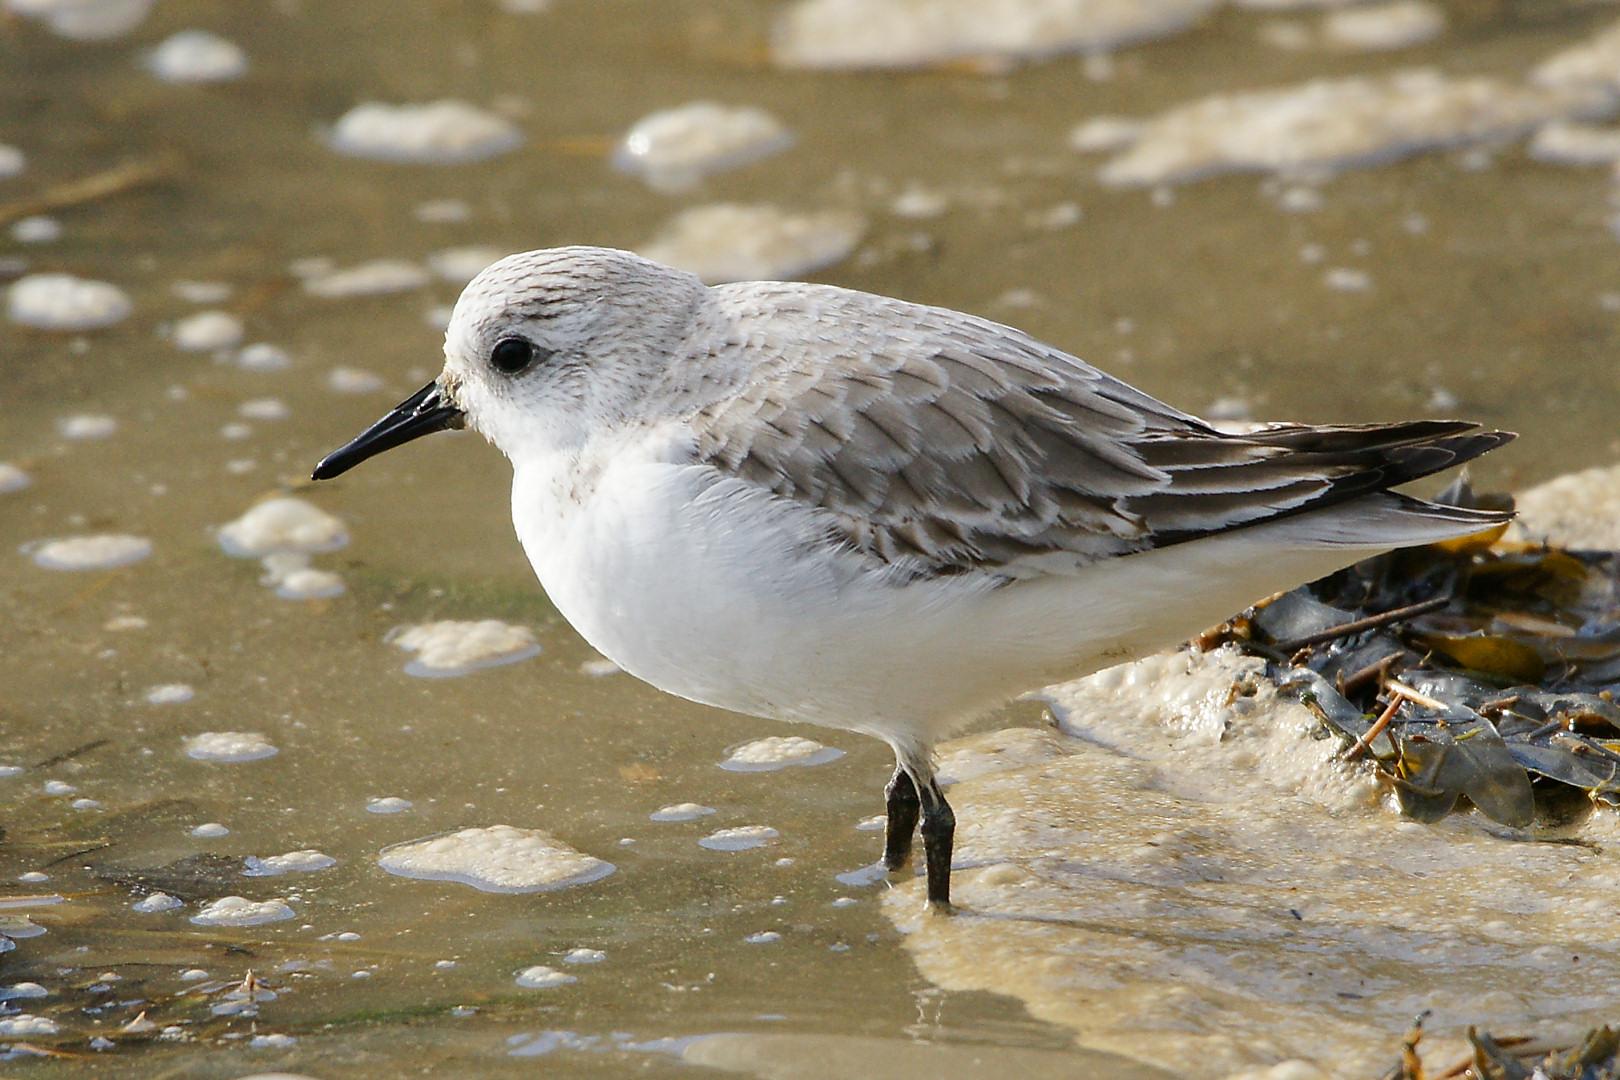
[{"x": 423, "y": 413}]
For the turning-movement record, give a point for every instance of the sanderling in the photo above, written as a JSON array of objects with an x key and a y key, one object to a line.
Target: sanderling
[{"x": 813, "y": 504}]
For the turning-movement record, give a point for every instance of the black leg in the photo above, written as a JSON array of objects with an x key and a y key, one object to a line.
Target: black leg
[
  {"x": 903, "y": 808},
  {"x": 938, "y": 830}
]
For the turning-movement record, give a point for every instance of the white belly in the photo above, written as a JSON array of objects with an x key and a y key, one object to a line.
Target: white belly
[{"x": 714, "y": 591}]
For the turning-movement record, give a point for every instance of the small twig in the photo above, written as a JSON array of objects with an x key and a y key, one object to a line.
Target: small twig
[
  {"x": 1416, "y": 697},
  {"x": 1348, "y": 684},
  {"x": 92, "y": 188},
  {"x": 1376, "y": 730},
  {"x": 1356, "y": 626},
  {"x": 69, "y": 755}
]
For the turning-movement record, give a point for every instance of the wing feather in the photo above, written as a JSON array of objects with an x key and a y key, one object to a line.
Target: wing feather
[{"x": 948, "y": 444}]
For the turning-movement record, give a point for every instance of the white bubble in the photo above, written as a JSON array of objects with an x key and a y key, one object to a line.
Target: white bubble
[
  {"x": 156, "y": 902},
  {"x": 734, "y": 242},
  {"x": 206, "y": 331},
  {"x": 59, "y": 787},
  {"x": 92, "y": 552},
  {"x": 170, "y": 694},
  {"x": 438, "y": 133},
  {"x": 460, "y": 265},
  {"x": 229, "y": 746},
  {"x": 675, "y": 148},
  {"x": 305, "y": 861},
  {"x": 376, "y": 278},
  {"x": 778, "y": 752},
  {"x": 1347, "y": 279},
  {"x": 37, "y": 229},
  {"x": 283, "y": 524},
  {"x": 239, "y": 911},
  {"x": 541, "y": 977},
  {"x": 584, "y": 956},
  {"x": 25, "y": 1025},
  {"x": 388, "y": 804},
  {"x": 262, "y": 356},
  {"x": 197, "y": 56},
  {"x": 210, "y": 830},
  {"x": 455, "y": 647},
  {"x": 764, "y": 937},
  {"x": 12, "y": 478},
  {"x": 740, "y": 838},
  {"x": 350, "y": 380},
  {"x": 498, "y": 858},
  {"x": 263, "y": 409},
  {"x": 33, "y": 877},
  {"x": 65, "y": 302},
  {"x": 82, "y": 426},
  {"x": 12, "y": 161},
  {"x": 22, "y": 991},
  {"x": 85, "y": 20},
  {"x": 685, "y": 811}
]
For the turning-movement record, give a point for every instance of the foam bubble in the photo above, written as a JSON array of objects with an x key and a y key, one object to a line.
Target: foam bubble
[
  {"x": 764, "y": 937},
  {"x": 352, "y": 380},
  {"x": 197, "y": 56},
  {"x": 201, "y": 292},
  {"x": 33, "y": 877},
  {"x": 1398, "y": 24},
  {"x": 1333, "y": 124},
  {"x": 740, "y": 838},
  {"x": 262, "y": 356},
  {"x": 305, "y": 861},
  {"x": 686, "y": 811},
  {"x": 206, "y": 331},
  {"x": 498, "y": 858},
  {"x": 12, "y": 161},
  {"x": 239, "y": 911},
  {"x": 600, "y": 667},
  {"x": 541, "y": 977},
  {"x": 272, "y": 1041},
  {"x": 675, "y": 148},
  {"x": 376, "y": 278},
  {"x": 170, "y": 694},
  {"x": 102, "y": 552},
  {"x": 85, "y": 20},
  {"x": 460, "y": 265},
  {"x": 210, "y": 830},
  {"x": 229, "y": 747},
  {"x": 584, "y": 956},
  {"x": 388, "y": 804},
  {"x": 36, "y": 229},
  {"x": 735, "y": 242},
  {"x": 84, "y": 426},
  {"x": 22, "y": 991},
  {"x": 913, "y": 33},
  {"x": 12, "y": 478},
  {"x": 455, "y": 647},
  {"x": 156, "y": 902},
  {"x": 1566, "y": 143},
  {"x": 65, "y": 302},
  {"x": 24, "y": 1024},
  {"x": 778, "y": 752},
  {"x": 282, "y": 524},
  {"x": 438, "y": 133},
  {"x": 58, "y": 787}
]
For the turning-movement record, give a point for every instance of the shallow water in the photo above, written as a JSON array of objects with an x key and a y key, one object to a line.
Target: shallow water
[{"x": 1492, "y": 291}]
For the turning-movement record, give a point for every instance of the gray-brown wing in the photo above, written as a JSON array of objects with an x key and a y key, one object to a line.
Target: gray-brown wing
[{"x": 946, "y": 443}]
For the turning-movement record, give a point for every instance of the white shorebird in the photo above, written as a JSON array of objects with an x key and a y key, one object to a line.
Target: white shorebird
[{"x": 813, "y": 504}]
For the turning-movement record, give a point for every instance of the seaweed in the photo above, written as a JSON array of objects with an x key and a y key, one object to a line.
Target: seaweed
[{"x": 1479, "y": 672}]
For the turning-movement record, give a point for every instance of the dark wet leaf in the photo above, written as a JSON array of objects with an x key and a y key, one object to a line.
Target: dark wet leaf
[
  {"x": 1495, "y": 655},
  {"x": 194, "y": 877}
]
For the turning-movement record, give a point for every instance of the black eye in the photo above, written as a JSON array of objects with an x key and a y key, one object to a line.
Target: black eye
[{"x": 511, "y": 355}]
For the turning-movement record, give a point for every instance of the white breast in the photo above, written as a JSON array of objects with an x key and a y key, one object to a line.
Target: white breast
[{"x": 714, "y": 590}]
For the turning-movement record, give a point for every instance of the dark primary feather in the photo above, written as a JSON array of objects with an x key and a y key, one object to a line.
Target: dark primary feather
[{"x": 950, "y": 444}]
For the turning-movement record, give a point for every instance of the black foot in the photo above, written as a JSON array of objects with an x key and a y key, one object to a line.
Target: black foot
[
  {"x": 938, "y": 831},
  {"x": 903, "y": 808}
]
